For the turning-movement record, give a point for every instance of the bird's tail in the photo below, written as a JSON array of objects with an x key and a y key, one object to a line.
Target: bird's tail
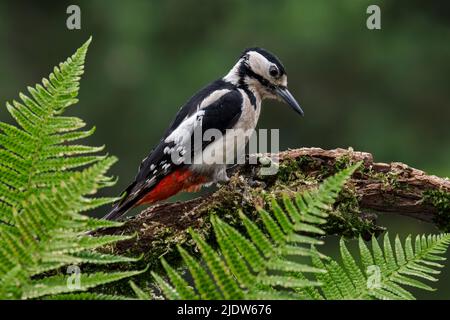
[
  {"x": 169, "y": 185},
  {"x": 121, "y": 207},
  {"x": 114, "y": 214}
]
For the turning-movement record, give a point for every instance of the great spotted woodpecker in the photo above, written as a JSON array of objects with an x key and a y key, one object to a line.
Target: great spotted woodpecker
[{"x": 232, "y": 102}]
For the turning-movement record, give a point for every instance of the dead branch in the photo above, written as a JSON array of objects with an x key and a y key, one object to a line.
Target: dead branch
[{"x": 377, "y": 187}]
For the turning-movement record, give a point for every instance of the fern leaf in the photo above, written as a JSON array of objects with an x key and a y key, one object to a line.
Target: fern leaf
[
  {"x": 203, "y": 283},
  {"x": 184, "y": 290},
  {"x": 235, "y": 261},
  {"x": 166, "y": 288},
  {"x": 85, "y": 296},
  {"x": 139, "y": 292},
  {"x": 218, "y": 269},
  {"x": 59, "y": 284},
  {"x": 256, "y": 265},
  {"x": 42, "y": 196},
  {"x": 392, "y": 270}
]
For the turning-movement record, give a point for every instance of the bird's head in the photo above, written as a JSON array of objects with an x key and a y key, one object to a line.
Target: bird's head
[{"x": 263, "y": 73}]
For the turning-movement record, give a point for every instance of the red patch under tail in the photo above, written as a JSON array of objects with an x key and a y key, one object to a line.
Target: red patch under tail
[{"x": 172, "y": 184}]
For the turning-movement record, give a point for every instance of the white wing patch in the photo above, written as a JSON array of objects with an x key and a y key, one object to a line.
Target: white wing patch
[
  {"x": 184, "y": 131},
  {"x": 168, "y": 150},
  {"x": 214, "y": 96},
  {"x": 188, "y": 125},
  {"x": 182, "y": 135}
]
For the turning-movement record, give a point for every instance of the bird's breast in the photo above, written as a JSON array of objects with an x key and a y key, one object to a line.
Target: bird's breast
[{"x": 250, "y": 112}]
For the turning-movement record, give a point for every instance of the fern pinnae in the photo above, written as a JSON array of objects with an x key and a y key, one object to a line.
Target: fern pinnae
[
  {"x": 203, "y": 283},
  {"x": 89, "y": 242},
  {"x": 328, "y": 286},
  {"x": 281, "y": 217},
  {"x": 85, "y": 296},
  {"x": 34, "y": 118},
  {"x": 295, "y": 250},
  {"x": 395, "y": 288},
  {"x": 308, "y": 293},
  {"x": 246, "y": 248},
  {"x": 389, "y": 256},
  {"x": 378, "y": 255},
  {"x": 236, "y": 262},
  {"x": 290, "y": 208},
  {"x": 140, "y": 294},
  {"x": 399, "y": 251},
  {"x": 257, "y": 236},
  {"x": 166, "y": 288},
  {"x": 286, "y": 281},
  {"x": 58, "y": 284},
  {"x": 298, "y": 238},
  {"x": 290, "y": 266},
  {"x": 272, "y": 227},
  {"x": 184, "y": 290},
  {"x": 398, "y": 273},
  {"x": 43, "y": 191},
  {"x": 92, "y": 224},
  {"x": 309, "y": 228},
  {"x": 259, "y": 266},
  {"x": 272, "y": 295},
  {"x": 101, "y": 258},
  {"x": 352, "y": 267},
  {"x": 366, "y": 255},
  {"x": 218, "y": 269},
  {"x": 282, "y": 241},
  {"x": 345, "y": 283}
]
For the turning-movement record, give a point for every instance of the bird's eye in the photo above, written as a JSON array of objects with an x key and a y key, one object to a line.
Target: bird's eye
[{"x": 273, "y": 71}]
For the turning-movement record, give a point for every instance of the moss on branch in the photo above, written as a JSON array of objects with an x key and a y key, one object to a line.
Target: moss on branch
[{"x": 376, "y": 187}]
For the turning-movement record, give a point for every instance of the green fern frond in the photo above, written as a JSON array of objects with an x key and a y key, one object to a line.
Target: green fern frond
[
  {"x": 33, "y": 154},
  {"x": 140, "y": 294},
  {"x": 45, "y": 185},
  {"x": 261, "y": 264},
  {"x": 385, "y": 271},
  {"x": 85, "y": 296},
  {"x": 59, "y": 284}
]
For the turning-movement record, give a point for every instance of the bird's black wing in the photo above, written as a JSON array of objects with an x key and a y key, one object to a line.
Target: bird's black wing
[
  {"x": 192, "y": 104},
  {"x": 220, "y": 114}
]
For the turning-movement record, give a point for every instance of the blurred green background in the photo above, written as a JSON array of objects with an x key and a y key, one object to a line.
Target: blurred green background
[{"x": 383, "y": 91}]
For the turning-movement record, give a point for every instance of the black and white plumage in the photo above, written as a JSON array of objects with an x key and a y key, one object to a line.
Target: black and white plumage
[{"x": 232, "y": 102}]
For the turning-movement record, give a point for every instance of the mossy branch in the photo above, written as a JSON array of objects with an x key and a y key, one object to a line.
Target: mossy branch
[{"x": 376, "y": 187}]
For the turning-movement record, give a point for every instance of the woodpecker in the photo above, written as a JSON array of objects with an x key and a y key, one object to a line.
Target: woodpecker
[{"x": 231, "y": 102}]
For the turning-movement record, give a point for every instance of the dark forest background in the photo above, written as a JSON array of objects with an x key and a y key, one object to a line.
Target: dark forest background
[{"x": 384, "y": 91}]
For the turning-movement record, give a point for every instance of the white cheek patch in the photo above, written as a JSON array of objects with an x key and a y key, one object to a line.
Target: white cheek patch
[{"x": 259, "y": 64}]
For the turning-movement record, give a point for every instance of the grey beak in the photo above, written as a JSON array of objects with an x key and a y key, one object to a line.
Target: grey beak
[{"x": 284, "y": 93}]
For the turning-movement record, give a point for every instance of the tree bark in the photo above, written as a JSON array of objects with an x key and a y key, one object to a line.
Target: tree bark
[{"x": 393, "y": 188}]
